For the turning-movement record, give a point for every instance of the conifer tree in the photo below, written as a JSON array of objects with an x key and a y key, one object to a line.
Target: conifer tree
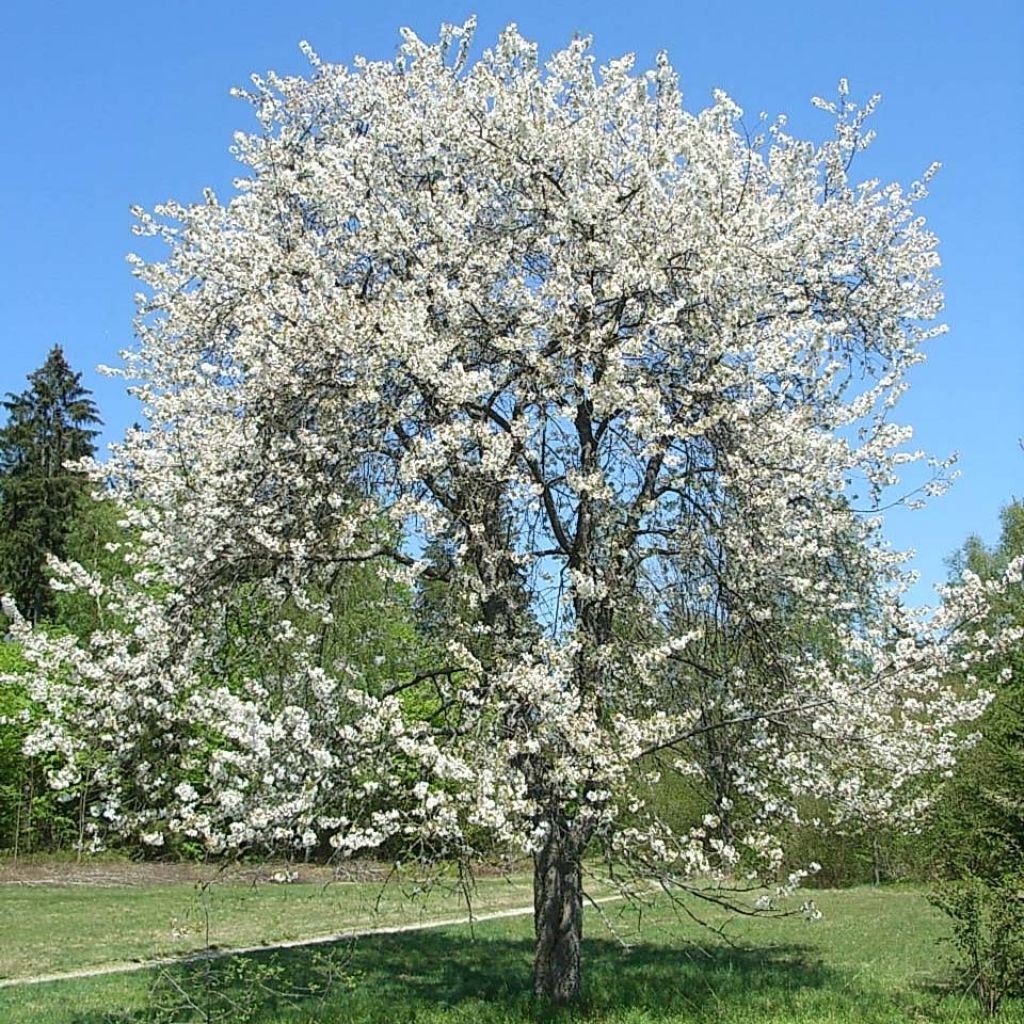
[{"x": 49, "y": 425}]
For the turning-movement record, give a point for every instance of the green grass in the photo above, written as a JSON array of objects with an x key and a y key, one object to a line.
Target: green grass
[
  {"x": 49, "y": 929},
  {"x": 875, "y": 958}
]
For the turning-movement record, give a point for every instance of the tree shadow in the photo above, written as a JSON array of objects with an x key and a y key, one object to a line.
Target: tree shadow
[{"x": 434, "y": 975}]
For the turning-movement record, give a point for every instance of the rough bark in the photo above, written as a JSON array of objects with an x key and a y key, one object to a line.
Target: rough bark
[{"x": 558, "y": 918}]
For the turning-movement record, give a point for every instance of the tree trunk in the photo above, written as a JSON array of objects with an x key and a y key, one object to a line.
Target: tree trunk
[{"x": 558, "y": 918}]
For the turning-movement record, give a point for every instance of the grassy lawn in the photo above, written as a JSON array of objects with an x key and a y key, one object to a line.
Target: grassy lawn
[
  {"x": 875, "y": 957},
  {"x": 48, "y": 929}
]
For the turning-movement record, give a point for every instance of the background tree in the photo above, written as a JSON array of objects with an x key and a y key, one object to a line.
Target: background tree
[
  {"x": 977, "y": 827},
  {"x": 43, "y": 510},
  {"x": 619, "y": 368},
  {"x": 49, "y": 424},
  {"x": 979, "y": 823}
]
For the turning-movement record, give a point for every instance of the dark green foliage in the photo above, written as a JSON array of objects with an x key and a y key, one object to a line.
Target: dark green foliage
[{"x": 48, "y": 425}]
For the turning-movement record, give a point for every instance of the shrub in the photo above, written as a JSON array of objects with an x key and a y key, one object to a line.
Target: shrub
[{"x": 988, "y": 932}]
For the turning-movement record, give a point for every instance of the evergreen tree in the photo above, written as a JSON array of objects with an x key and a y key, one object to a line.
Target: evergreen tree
[{"x": 48, "y": 425}]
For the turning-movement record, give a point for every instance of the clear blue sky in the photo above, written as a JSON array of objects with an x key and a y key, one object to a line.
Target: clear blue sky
[{"x": 107, "y": 104}]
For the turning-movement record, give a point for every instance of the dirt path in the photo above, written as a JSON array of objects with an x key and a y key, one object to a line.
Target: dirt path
[
  {"x": 107, "y": 873},
  {"x": 317, "y": 940}
]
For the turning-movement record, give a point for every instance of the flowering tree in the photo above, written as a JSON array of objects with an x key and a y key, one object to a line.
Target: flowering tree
[{"x": 624, "y": 373}]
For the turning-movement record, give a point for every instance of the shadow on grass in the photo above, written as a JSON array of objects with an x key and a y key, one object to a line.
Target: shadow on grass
[{"x": 440, "y": 975}]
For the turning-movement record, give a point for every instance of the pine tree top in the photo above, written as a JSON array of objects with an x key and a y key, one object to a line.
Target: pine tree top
[{"x": 49, "y": 423}]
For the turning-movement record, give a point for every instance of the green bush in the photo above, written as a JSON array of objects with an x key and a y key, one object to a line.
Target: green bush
[{"x": 988, "y": 931}]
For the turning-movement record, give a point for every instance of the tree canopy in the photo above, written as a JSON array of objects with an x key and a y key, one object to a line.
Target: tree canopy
[{"x": 612, "y": 378}]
